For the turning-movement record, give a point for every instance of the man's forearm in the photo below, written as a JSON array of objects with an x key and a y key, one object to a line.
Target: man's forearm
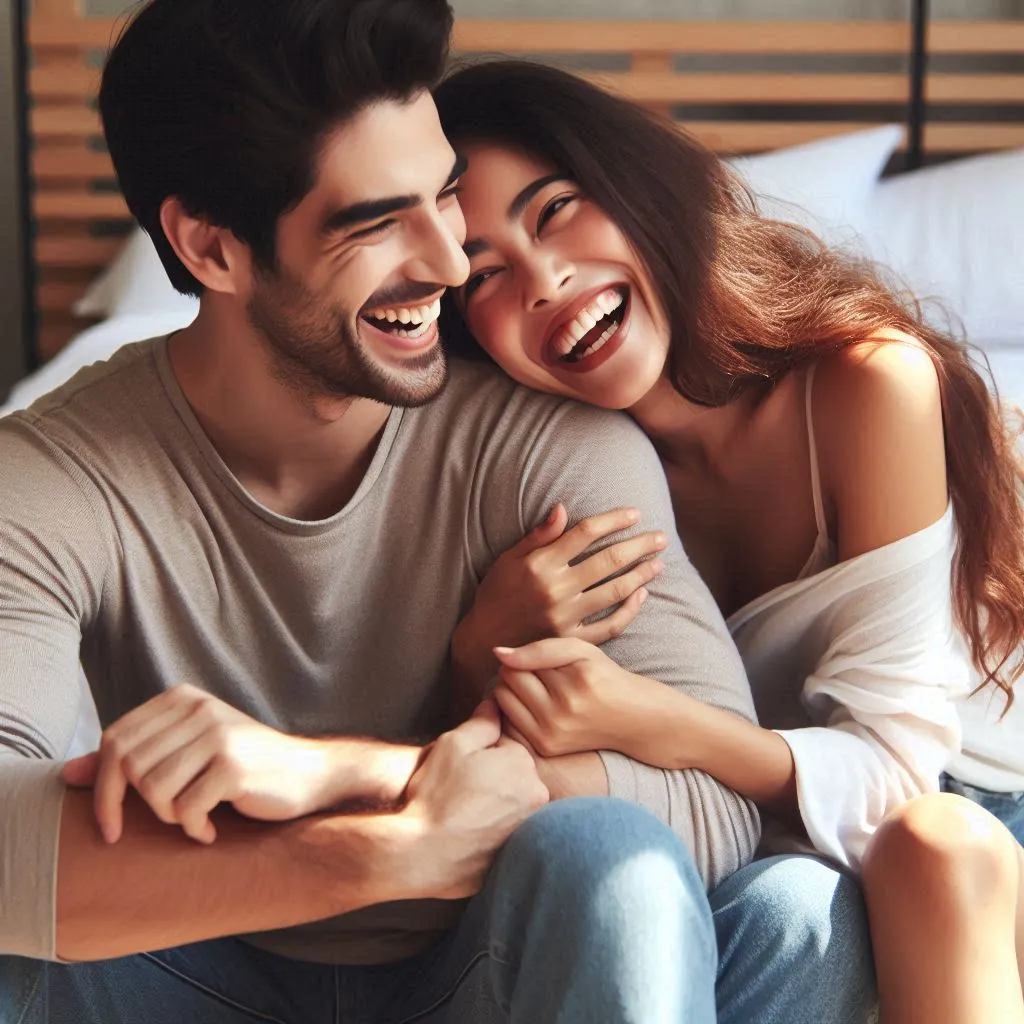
[{"x": 155, "y": 888}]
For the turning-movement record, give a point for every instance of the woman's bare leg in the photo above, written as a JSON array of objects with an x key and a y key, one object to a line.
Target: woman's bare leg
[{"x": 942, "y": 880}]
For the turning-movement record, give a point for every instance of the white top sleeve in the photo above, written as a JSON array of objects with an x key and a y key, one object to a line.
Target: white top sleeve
[{"x": 881, "y": 699}]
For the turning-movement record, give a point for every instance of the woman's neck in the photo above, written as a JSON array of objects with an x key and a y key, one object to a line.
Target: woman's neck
[{"x": 689, "y": 435}]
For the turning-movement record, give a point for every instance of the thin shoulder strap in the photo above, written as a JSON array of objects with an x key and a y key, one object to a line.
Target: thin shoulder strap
[{"x": 819, "y": 507}]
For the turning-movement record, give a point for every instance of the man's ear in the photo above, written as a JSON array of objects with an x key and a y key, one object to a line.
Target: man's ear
[{"x": 212, "y": 255}]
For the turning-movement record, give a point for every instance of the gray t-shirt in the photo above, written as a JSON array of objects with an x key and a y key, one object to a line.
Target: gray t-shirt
[{"x": 125, "y": 541}]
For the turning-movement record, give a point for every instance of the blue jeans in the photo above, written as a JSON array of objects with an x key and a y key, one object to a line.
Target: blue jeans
[
  {"x": 593, "y": 912},
  {"x": 1007, "y": 807}
]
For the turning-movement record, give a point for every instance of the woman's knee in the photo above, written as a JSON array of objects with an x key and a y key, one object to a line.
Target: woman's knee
[{"x": 952, "y": 849}]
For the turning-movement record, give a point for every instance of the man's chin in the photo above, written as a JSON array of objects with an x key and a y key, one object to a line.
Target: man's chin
[{"x": 408, "y": 381}]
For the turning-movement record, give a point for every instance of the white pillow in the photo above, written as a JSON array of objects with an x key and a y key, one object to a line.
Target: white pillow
[
  {"x": 135, "y": 282},
  {"x": 826, "y": 185},
  {"x": 955, "y": 232}
]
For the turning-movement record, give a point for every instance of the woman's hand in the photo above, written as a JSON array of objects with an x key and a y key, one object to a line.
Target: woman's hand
[
  {"x": 564, "y": 696},
  {"x": 534, "y": 591}
]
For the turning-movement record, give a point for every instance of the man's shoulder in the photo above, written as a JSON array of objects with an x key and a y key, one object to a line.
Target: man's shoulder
[
  {"x": 480, "y": 392},
  {"x": 109, "y": 384}
]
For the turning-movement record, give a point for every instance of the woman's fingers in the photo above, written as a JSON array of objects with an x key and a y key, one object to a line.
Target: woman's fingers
[
  {"x": 554, "y": 652},
  {"x": 546, "y": 533},
  {"x": 615, "y": 624},
  {"x": 590, "y": 531},
  {"x": 518, "y": 714},
  {"x": 613, "y": 560},
  {"x": 615, "y": 591}
]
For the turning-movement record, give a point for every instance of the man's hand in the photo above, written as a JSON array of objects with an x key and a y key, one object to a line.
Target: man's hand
[
  {"x": 473, "y": 789},
  {"x": 186, "y": 751}
]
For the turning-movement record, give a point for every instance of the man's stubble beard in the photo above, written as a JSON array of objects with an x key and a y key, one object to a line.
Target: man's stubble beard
[{"x": 315, "y": 352}]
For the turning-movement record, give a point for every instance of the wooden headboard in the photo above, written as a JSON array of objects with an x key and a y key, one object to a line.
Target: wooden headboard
[{"x": 739, "y": 86}]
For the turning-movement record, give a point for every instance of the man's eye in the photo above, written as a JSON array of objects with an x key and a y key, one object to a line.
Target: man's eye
[
  {"x": 451, "y": 192},
  {"x": 376, "y": 229}
]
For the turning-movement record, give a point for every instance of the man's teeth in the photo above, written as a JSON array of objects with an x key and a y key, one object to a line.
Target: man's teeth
[
  {"x": 416, "y": 315},
  {"x": 586, "y": 320}
]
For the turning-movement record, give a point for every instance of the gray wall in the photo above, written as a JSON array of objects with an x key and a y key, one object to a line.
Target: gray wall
[{"x": 11, "y": 343}]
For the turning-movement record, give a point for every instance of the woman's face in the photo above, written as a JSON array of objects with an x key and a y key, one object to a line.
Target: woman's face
[{"x": 555, "y": 294}]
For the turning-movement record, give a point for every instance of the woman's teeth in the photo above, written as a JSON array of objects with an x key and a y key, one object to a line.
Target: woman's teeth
[{"x": 607, "y": 304}]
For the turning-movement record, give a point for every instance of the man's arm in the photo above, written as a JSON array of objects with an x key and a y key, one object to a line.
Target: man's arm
[
  {"x": 594, "y": 461},
  {"x": 155, "y": 888}
]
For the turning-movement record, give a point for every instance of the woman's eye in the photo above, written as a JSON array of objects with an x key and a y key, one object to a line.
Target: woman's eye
[
  {"x": 474, "y": 282},
  {"x": 554, "y": 207}
]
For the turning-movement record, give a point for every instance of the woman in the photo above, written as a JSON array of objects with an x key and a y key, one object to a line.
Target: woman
[{"x": 841, "y": 477}]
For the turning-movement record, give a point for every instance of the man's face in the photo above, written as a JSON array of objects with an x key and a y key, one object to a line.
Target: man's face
[{"x": 363, "y": 260}]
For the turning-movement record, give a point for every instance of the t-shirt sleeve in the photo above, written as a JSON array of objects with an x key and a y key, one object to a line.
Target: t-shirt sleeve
[
  {"x": 52, "y": 565},
  {"x": 593, "y": 461}
]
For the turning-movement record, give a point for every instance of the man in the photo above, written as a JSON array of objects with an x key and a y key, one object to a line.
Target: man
[{"x": 258, "y": 536}]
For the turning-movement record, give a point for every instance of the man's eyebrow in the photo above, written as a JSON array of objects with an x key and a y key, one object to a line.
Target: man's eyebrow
[{"x": 374, "y": 209}]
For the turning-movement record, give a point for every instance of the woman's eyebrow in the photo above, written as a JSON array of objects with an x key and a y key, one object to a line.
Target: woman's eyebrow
[
  {"x": 476, "y": 246},
  {"x": 522, "y": 200}
]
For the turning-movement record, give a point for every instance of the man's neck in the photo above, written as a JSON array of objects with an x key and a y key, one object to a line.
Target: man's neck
[{"x": 299, "y": 455}]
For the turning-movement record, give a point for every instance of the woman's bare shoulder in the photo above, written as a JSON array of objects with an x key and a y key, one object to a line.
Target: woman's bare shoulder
[{"x": 878, "y": 415}]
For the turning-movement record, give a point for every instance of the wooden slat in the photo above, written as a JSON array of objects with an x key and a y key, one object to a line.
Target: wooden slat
[
  {"x": 653, "y": 87},
  {"x": 63, "y": 81},
  {"x": 76, "y": 251},
  {"x": 71, "y": 163},
  {"x": 74, "y": 206},
  {"x": 56, "y": 330},
  {"x": 73, "y": 34},
  {"x": 972, "y": 137},
  {"x": 78, "y": 122},
  {"x": 976, "y": 37},
  {"x": 54, "y": 9},
  {"x": 941, "y": 88},
  {"x": 636, "y": 37},
  {"x": 729, "y": 137},
  {"x": 58, "y": 296}
]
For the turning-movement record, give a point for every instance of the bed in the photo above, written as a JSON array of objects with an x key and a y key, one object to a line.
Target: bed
[{"x": 852, "y": 100}]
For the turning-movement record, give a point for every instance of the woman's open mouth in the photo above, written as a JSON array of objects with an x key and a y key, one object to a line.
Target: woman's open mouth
[{"x": 593, "y": 327}]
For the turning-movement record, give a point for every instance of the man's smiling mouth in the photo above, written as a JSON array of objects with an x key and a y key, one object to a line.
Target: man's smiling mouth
[{"x": 404, "y": 321}]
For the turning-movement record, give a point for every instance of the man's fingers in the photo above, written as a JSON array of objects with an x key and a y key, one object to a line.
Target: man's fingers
[
  {"x": 81, "y": 771},
  {"x": 193, "y": 806},
  {"x": 487, "y": 709},
  {"x": 481, "y": 731},
  {"x": 163, "y": 784},
  {"x": 159, "y": 746},
  {"x": 555, "y": 652},
  {"x": 108, "y": 795}
]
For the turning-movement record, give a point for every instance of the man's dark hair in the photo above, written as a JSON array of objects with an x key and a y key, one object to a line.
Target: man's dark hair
[{"x": 225, "y": 103}]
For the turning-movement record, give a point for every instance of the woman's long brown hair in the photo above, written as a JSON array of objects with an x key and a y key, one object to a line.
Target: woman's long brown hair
[{"x": 749, "y": 299}]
